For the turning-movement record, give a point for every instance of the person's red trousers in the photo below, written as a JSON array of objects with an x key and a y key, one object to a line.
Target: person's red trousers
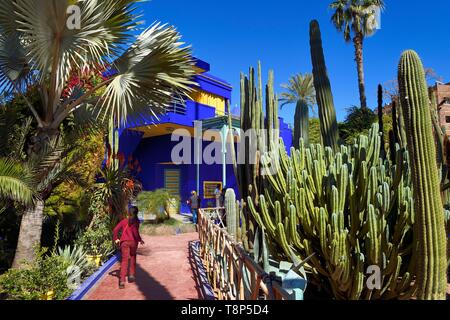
[{"x": 128, "y": 249}]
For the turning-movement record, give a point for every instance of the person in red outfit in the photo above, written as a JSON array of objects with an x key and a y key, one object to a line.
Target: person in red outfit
[{"x": 128, "y": 242}]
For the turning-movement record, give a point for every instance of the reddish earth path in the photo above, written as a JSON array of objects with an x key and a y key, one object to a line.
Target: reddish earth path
[{"x": 163, "y": 272}]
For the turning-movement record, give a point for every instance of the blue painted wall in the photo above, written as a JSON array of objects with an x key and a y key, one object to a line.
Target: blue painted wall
[{"x": 154, "y": 153}]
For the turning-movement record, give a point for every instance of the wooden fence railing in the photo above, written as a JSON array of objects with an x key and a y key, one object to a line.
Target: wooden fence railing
[{"x": 232, "y": 273}]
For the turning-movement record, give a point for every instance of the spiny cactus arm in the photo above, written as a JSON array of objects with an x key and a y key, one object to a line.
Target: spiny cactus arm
[
  {"x": 293, "y": 233},
  {"x": 269, "y": 109},
  {"x": 430, "y": 226},
  {"x": 230, "y": 206},
  {"x": 255, "y": 213}
]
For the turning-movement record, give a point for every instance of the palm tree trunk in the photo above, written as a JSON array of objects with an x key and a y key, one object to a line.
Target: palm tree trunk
[
  {"x": 29, "y": 235},
  {"x": 32, "y": 219},
  {"x": 358, "y": 42}
]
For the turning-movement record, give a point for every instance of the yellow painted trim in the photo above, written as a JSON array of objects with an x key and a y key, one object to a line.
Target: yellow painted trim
[
  {"x": 211, "y": 100},
  {"x": 163, "y": 129}
]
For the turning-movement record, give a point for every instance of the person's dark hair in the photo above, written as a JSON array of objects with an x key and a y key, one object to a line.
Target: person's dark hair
[
  {"x": 218, "y": 186},
  {"x": 133, "y": 215}
]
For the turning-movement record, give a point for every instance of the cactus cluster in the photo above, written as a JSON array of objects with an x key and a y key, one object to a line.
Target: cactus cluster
[
  {"x": 252, "y": 119},
  {"x": 351, "y": 208},
  {"x": 429, "y": 224}
]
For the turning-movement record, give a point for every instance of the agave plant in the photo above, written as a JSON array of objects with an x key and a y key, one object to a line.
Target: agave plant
[
  {"x": 39, "y": 48},
  {"x": 75, "y": 258}
]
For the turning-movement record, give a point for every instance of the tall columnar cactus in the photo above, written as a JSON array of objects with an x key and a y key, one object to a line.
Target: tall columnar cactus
[
  {"x": 351, "y": 208},
  {"x": 231, "y": 210},
  {"x": 429, "y": 221},
  {"x": 253, "y": 120},
  {"x": 401, "y": 124},
  {"x": 324, "y": 96},
  {"x": 301, "y": 125},
  {"x": 272, "y": 121},
  {"x": 380, "y": 118}
]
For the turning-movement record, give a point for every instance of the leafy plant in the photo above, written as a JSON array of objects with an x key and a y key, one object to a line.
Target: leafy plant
[
  {"x": 97, "y": 239},
  {"x": 300, "y": 91},
  {"x": 76, "y": 258},
  {"x": 46, "y": 273},
  {"x": 156, "y": 202},
  {"x": 358, "y": 121},
  {"x": 314, "y": 131},
  {"x": 16, "y": 181},
  {"x": 38, "y": 50}
]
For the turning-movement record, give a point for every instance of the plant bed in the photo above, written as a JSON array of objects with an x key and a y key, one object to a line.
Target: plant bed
[{"x": 168, "y": 227}]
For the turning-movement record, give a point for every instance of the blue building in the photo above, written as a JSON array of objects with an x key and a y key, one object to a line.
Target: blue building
[{"x": 155, "y": 144}]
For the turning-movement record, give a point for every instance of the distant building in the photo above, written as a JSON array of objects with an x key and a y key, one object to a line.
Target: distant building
[
  {"x": 442, "y": 92},
  {"x": 148, "y": 141}
]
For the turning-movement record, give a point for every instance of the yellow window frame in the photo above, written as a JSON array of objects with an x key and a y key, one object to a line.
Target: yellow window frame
[{"x": 208, "y": 186}]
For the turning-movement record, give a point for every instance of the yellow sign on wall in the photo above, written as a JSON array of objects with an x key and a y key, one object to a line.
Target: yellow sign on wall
[{"x": 209, "y": 187}]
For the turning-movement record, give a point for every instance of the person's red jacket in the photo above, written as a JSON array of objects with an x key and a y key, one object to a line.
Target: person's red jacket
[{"x": 129, "y": 233}]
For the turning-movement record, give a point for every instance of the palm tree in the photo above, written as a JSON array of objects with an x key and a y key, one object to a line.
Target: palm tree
[
  {"x": 300, "y": 91},
  {"x": 39, "y": 47},
  {"x": 355, "y": 19}
]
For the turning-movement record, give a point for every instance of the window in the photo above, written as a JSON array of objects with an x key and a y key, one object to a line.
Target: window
[
  {"x": 447, "y": 119},
  {"x": 209, "y": 187},
  {"x": 172, "y": 181},
  {"x": 447, "y": 100}
]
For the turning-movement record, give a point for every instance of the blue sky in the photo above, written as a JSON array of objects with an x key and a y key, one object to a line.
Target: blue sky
[{"x": 233, "y": 35}]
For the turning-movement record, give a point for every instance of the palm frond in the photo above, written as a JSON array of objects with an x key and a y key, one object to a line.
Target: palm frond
[
  {"x": 16, "y": 181},
  {"x": 154, "y": 69},
  {"x": 14, "y": 64},
  {"x": 18, "y": 138},
  {"x": 54, "y": 47},
  {"x": 299, "y": 88},
  {"x": 355, "y": 15}
]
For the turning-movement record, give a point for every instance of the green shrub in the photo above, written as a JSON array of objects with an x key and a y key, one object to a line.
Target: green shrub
[
  {"x": 97, "y": 239},
  {"x": 156, "y": 202},
  {"x": 314, "y": 131},
  {"x": 358, "y": 122},
  {"x": 46, "y": 273}
]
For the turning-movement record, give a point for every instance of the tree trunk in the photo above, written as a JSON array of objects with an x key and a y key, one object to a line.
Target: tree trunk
[
  {"x": 358, "y": 41},
  {"x": 32, "y": 219},
  {"x": 29, "y": 235}
]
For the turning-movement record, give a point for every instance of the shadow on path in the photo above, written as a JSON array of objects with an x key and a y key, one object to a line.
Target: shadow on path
[
  {"x": 164, "y": 271},
  {"x": 148, "y": 286}
]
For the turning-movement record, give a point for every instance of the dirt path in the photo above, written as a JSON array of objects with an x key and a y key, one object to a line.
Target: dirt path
[{"x": 164, "y": 272}]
